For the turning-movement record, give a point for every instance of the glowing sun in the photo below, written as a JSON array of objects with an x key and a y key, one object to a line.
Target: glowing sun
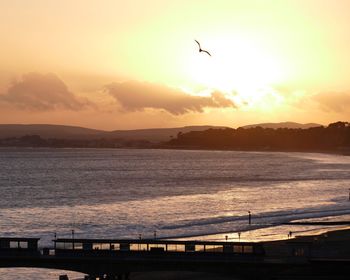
[{"x": 235, "y": 65}]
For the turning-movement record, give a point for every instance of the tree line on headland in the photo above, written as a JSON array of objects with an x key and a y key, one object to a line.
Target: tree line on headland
[{"x": 334, "y": 137}]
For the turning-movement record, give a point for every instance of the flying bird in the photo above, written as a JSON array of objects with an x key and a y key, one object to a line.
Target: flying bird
[{"x": 200, "y": 49}]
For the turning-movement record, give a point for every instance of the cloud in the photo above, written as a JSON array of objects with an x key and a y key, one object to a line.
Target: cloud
[
  {"x": 333, "y": 101},
  {"x": 39, "y": 92},
  {"x": 136, "y": 96}
]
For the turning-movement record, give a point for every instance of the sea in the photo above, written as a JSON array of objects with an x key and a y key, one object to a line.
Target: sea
[{"x": 133, "y": 193}]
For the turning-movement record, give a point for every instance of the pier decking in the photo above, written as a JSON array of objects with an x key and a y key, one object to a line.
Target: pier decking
[{"x": 112, "y": 258}]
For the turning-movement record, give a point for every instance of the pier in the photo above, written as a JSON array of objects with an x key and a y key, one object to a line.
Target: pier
[{"x": 120, "y": 258}]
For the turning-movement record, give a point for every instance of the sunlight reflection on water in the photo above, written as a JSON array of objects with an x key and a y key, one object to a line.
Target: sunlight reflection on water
[{"x": 124, "y": 193}]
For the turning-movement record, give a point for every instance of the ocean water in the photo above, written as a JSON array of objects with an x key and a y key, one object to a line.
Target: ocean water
[{"x": 117, "y": 193}]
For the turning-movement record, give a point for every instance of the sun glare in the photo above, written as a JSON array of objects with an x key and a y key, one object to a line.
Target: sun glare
[{"x": 235, "y": 65}]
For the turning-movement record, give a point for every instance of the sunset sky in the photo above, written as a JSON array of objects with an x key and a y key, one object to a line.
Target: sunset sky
[{"x": 112, "y": 64}]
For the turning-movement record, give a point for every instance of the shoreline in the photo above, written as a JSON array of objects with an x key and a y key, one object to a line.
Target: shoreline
[
  {"x": 195, "y": 148},
  {"x": 329, "y": 220},
  {"x": 181, "y": 148},
  {"x": 264, "y": 234}
]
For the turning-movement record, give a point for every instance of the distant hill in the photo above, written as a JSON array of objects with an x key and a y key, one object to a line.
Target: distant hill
[
  {"x": 293, "y": 125},
  {"x": 156, "y": 134},
  {"x": 334, "y": 137},
  {"x": 47, "y": 131}
]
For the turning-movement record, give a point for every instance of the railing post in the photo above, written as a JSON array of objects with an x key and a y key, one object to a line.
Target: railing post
[{"x": 73, "y": 237}]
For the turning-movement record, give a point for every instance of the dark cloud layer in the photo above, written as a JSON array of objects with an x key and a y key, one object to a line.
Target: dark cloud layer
[
  {"x": 40, "y": 92},
  {"x": 334, "y": 101},
  {"x": 134, "y": 96}
]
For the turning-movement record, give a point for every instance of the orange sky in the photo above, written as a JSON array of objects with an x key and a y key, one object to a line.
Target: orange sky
[{"x": 134, "y": 64}]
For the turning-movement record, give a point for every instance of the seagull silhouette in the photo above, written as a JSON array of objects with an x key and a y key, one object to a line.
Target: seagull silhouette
[{"x": 200, "y": 49}]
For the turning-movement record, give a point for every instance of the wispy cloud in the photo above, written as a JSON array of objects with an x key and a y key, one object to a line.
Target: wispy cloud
[
  {"x": 333, "y": 101},
  {"x": 136, "y": 96},
  {"x": 42, "y": 92}
]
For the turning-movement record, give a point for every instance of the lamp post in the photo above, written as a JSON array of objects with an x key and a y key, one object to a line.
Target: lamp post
[
  {"x": 140, "y": 237},
  {"x": 73, "y": 237},
  {"x": 55, "y": 236}
]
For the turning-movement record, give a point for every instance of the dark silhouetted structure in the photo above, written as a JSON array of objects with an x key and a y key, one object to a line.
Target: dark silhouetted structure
[{"x": 112, "y": 258}]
